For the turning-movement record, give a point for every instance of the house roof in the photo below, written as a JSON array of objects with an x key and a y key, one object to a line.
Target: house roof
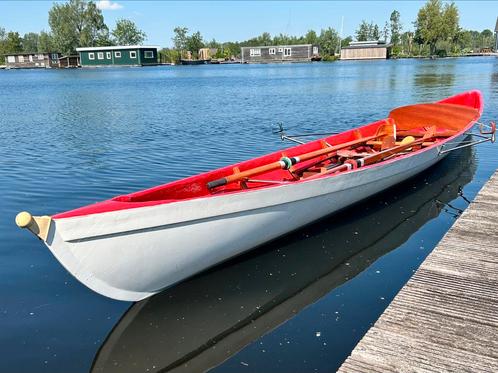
[
  {"x": 116, "y": 47},
  {"x": 367, "y": 46},
  {"x": 280, "y": 46},
  {"x": 28, "y": 53}
]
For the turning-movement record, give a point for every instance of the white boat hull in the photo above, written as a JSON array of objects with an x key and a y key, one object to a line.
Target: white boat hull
[{"x": 134, "y": 253}]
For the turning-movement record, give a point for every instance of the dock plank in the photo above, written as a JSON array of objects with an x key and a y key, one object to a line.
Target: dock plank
[{"x": 445, "y": 319}]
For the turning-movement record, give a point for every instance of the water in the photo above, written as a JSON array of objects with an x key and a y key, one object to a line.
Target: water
[{"x": 301, "y": 303}]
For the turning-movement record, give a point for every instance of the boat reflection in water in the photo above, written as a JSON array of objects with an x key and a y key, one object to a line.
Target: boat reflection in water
[{"x": 201, "y": 322}]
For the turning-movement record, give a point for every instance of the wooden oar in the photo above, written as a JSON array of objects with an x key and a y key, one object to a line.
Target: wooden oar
[
  {"x": 374, "y": 158},
  {"x": 285, "y": 163}
]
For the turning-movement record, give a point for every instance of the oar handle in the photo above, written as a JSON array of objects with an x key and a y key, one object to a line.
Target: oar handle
[{"x": 217, "y": 183}]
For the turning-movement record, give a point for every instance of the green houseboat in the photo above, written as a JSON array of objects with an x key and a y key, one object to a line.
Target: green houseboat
[{"x": 121, "y": 55}]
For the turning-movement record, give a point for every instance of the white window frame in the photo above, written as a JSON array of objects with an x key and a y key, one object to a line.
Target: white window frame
[
  {"x": 91, "y": 56},
  {"x": 100, "y": 55},
  {"x": 280, "y": 50},
  {"x": 148, "y": 54},
  {"x": 55, "y": 56},
  {"x": 20, "y": 59},
  {"x": 287, "y": 52},
  {"x": 30, "y": 58},
  {"x": 11, "y": 59},
  {"x": 108, "y": 55},
  {"x": 41, "y": 57},
  {"x": 255, "y": 52},
  {"x": 117, "y": 54},
  {"x": 315, "y": 50},
  {"x": 272, "y": 51},
  {"x": 133, "y": 54}
]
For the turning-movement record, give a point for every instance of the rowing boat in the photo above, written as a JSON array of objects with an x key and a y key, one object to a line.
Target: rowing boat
[{"x": 133, "y": 246}]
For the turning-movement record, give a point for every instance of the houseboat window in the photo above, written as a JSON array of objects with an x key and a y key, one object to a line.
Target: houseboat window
[
  {"x": 271, "y": 51},
  {"x": 11, "y": 59},
  {"x": 280, "y": 50},
  {"x": 315, "y": 50},
  {"x": 91, "y": 56},
  {"x": 287, "y": 51},
  {"x": 149, "y": 54},
  {"x": 54, "y": 56},
  {"x": 41, "y": 57},
  {"x": 255, "y": 52},
  {"x": 30, "y": 58},
  {"x": 108, "y": 55},
  {"x": 117, "y": 54},
  {"x": 100, "y": 55},
  {"x": 21, "y": 58},
  {"x": 133, "y": 54}
]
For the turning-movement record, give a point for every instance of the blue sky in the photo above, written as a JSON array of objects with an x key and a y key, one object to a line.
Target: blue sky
[{"x": 240, "y": 20}]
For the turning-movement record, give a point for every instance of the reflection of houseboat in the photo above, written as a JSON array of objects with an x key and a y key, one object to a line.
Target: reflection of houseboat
[{"x": 203, "y": 321}]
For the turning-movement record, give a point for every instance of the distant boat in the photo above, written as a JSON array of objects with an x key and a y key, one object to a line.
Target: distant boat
[
  {"x": 194, "y": 62},
  {"x": 133, "y": 246}
]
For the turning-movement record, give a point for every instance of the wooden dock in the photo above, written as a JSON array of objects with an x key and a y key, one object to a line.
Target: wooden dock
[{"x": 445, "y": 319}]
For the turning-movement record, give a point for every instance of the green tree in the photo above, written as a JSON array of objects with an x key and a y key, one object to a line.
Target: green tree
[
  {"x": 30, "y": 42},
  {"x": 396, "y": 28},
  {"x": 45, "y": 42},
  {"x": 180, "y": 39},
  {"x": 3, "y": 37},
  {"x": 264, "y": 39},
  {"x": 311, "y": 37},
  {"x": 487, "y": 39},
  {"x": 328, "y": 41},
  {"x": 194, "y": 43},
  {"x": 13, "y": 43},
  {"x": 385, "y": 32},
  {"x": 77, "y": 23},
  {"x": 436, "y": 22},
  {"x": 375, "y": 33},
  {"x": 346, "y": 41},
  {"x": 363, "y": 31},
  {"x": 126, "y": 32}
]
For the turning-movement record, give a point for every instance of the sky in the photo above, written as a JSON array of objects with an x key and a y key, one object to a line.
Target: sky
[{"x": 241, "y": 20}]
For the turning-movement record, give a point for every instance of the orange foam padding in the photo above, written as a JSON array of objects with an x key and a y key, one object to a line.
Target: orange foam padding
[{"x": 449, "y": 116}]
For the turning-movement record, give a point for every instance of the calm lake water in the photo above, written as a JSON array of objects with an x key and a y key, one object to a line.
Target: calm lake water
[{"x": 299, "y": 304}]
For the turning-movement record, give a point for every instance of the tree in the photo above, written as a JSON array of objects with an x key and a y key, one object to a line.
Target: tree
[
  {"x": 487, "y": 39},
  {"x": 346, "y": 41},
  {"x": 194, "y": 43},
  {"x": 3, "y": 37},
  {"x": 328, "y": 41},
  {"x": 45, "y": 42},
  {"x": 180, "y": 38},
  {"x": 77, "y": 23},
  {"x": 13, "y": 43},
  {"x": 264, "y": 39},
  {"x": 126, "y": 32},
  {"x": 311, "y": 37},
  {"x": 367, "y": 31},
  {"x": 396, "y": 28},
  {"x": 362, "y": 33},
  {"x": 385, "y": 32},
  {"x": 30, "y": 42},
  {"x": 375, "y": 33},
  {"x": 435, "y": 23}
]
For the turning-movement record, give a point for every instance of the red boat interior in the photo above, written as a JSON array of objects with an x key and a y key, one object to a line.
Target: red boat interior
[{"x": 407, "y": 130}]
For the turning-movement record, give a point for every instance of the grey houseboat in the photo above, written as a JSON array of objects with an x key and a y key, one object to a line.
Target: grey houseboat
[
  {"x": 32, "y": 60},
  {"x": 279, "y": 53}
]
